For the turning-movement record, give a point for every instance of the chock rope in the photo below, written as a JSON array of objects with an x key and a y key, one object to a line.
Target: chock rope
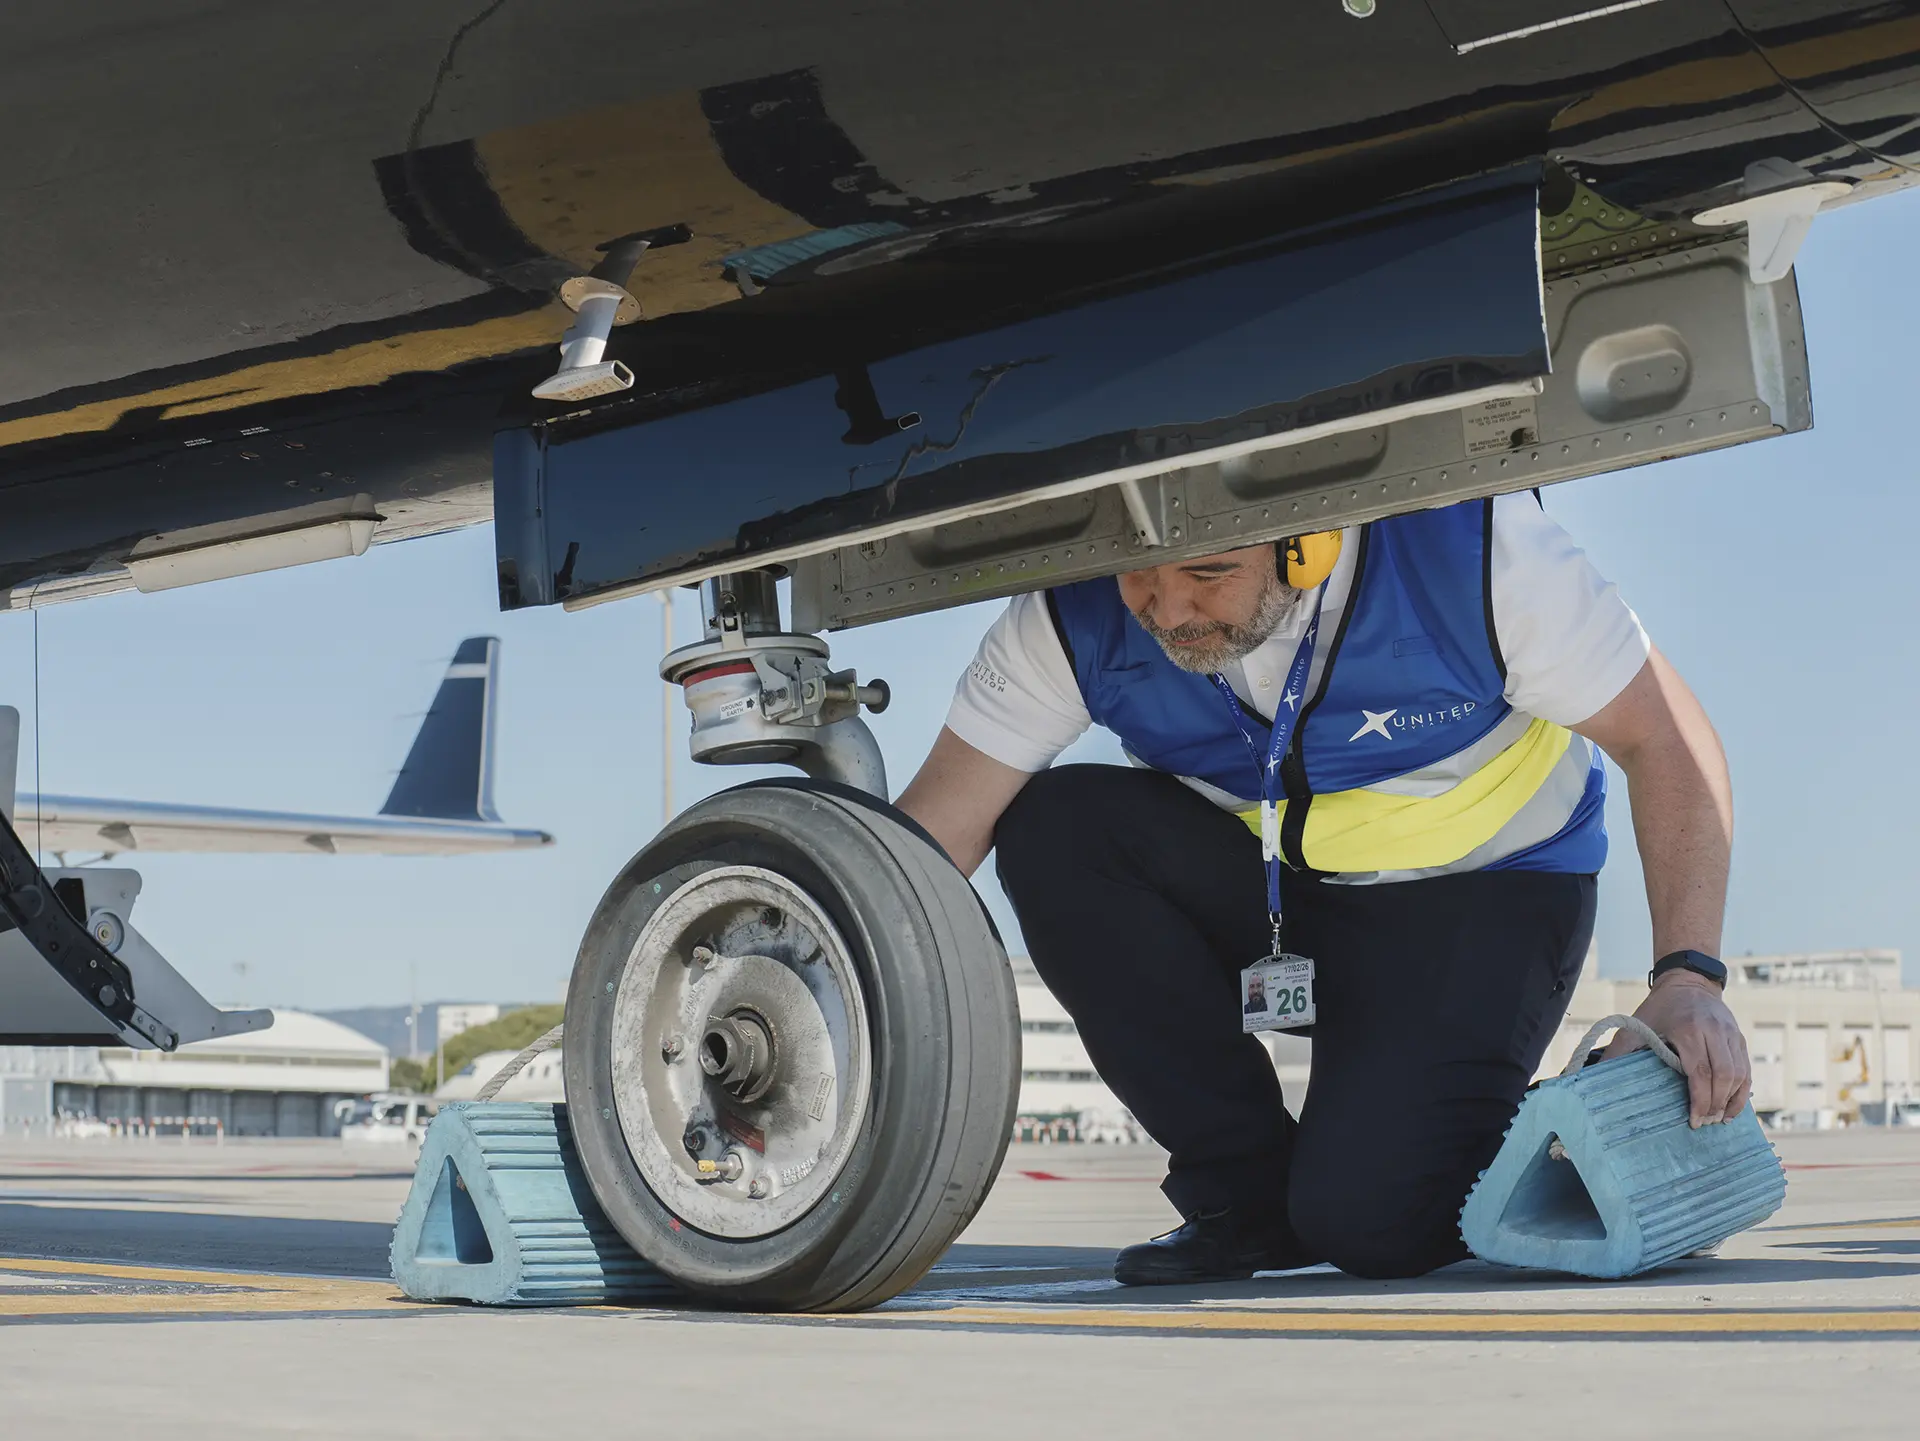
[
  {"x": 1594, "y": 1032},
  {"x": 1626, "y": 1023},
  {"x": 518, "y": 1063}
]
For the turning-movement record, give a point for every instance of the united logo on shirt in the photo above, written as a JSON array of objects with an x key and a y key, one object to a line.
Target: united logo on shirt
[{"x": 987, "y": 676}]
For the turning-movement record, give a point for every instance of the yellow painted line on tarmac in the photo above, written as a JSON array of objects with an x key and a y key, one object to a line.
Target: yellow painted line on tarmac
[
  {"x": 252, "y": 1293},
  {"x": 223, "y": 1303},
  {"x": 1894, "y": 1223},
  {"x": 225, "y": 1292},
  {"x": 1902, "y": 1321}
]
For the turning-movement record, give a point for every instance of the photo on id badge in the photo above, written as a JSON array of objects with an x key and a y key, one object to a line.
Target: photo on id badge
[{"x": 1277, "y": 994}]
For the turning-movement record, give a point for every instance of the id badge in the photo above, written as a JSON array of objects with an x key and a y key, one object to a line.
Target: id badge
[{"x": 1277, "y": 994}]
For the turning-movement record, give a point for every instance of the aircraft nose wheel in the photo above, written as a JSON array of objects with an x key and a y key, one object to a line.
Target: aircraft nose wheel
[
  {"x": 741, "y": 1062},
  {"x": 792, "y": 1050}
]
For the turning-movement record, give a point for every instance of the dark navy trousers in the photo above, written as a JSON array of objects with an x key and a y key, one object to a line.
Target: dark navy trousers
[{"x": 1141, "y": 902}]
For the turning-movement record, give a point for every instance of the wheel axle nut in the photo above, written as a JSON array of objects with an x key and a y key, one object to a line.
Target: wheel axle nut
[{"x": 737, "y": 1051}]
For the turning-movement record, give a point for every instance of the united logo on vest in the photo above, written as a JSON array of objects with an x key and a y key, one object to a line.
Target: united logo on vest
[
  {"x": 1376, "y": 722},
  {"x": 1408, "y": 759}
]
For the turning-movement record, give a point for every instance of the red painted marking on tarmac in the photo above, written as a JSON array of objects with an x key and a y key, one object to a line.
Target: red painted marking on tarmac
[{"x": 1128, "y": 1180}]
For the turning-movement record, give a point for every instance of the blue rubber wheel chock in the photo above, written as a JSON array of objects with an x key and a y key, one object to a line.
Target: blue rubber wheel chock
[
  {"x": 1601, "y": 1175},
  {"x": 501, "y": 1213}
]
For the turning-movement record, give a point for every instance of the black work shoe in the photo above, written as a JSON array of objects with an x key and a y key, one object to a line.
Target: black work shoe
[{"x": 1223, "y": 1246}]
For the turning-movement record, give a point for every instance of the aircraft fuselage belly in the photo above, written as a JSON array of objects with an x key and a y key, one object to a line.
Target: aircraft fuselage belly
[{"x": 253, "y": 259}]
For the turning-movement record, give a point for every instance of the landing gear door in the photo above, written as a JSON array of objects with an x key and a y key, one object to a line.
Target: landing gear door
[
  {"x": 1430, "y": 305},
  {"x": 39, "y": 1007},
  {"x": 73, "y": 970}
]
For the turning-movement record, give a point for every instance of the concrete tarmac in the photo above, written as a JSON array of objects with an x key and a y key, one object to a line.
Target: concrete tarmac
[{"x": 192, "y": 1291}]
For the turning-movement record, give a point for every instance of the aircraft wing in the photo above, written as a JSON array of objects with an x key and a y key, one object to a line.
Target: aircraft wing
[
  {"x": 79, "y": 823},
  {"x": 441, "y": 803}
]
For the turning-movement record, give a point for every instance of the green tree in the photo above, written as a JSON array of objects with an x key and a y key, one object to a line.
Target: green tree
[
  {"x": 408, "y": 1075},
  {"x": 511, "y": 1032}
]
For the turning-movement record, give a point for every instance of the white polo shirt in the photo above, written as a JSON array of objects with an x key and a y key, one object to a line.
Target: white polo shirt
[{"x": 1571, "y": 644}]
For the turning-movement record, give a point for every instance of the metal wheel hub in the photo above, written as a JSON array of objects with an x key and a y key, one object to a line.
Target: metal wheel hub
[{"x": 741, "y": 1055}]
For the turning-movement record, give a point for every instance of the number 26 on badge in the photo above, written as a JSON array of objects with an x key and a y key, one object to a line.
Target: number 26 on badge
[{"x": 1277, "y": 994}]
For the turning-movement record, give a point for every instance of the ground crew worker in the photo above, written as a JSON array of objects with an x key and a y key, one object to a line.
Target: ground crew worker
[{"x": 1403, "y": 715}]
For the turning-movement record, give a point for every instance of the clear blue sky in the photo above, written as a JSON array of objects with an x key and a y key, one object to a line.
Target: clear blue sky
[{"x": 1779, "y": 577}]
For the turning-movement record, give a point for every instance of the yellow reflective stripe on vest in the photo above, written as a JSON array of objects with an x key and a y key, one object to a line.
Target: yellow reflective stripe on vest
[{"x": 1369, "y": 830}]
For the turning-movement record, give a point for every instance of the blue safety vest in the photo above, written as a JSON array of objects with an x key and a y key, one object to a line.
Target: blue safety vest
[{"x": 1407, "y": 759}]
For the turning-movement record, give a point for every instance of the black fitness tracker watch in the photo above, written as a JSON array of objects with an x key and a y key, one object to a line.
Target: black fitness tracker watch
[{"x": 1699, "y": 962}]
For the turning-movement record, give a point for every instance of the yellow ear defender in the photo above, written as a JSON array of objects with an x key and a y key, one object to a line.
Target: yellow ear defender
[{"x": 1306, "y": 560}]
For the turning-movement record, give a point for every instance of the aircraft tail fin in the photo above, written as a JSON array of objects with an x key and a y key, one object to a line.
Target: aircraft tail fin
[{"x": 448, "y": 774}]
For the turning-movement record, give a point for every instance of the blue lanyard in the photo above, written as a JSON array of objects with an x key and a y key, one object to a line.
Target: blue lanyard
[{"x": 1286, "y": 715}]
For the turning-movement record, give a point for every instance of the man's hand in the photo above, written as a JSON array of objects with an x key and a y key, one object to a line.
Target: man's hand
[{"x": 1689, "y": 1013}]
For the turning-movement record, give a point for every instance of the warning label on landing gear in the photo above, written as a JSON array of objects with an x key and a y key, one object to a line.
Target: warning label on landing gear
[
  {"x": 822, "y": 1090},
  {"x": 1498, "y": 426},
  {"x": 752, "y": 1137}
]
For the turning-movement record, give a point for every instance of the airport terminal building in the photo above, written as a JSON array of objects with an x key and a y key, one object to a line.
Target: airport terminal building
[
  {"x": 1834, "y": 1035},
  {"x": 1835, "y": 1040},
  {"x": 283, "y": 1081}
]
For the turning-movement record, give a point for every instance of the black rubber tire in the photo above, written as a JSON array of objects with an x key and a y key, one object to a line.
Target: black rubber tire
[{"x": 945, "y": 1044}]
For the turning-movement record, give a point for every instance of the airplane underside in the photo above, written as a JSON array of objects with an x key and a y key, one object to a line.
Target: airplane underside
[{"x": 917, "y": 305}]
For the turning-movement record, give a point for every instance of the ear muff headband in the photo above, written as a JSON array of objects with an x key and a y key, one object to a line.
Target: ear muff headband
[{"x": 1306, "y": 560}]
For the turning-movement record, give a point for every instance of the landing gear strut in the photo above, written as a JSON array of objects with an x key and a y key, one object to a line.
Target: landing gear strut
[
  {"x": 792, "y": 1046},
  {"x": 761, "y": 695}
]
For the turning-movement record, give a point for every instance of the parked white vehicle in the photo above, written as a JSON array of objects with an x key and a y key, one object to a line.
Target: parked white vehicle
[{"x": 386, "y": 1118}]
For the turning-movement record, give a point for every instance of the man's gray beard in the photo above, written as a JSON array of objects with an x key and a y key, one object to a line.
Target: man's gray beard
[{"x": 1225, "y": 644}]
